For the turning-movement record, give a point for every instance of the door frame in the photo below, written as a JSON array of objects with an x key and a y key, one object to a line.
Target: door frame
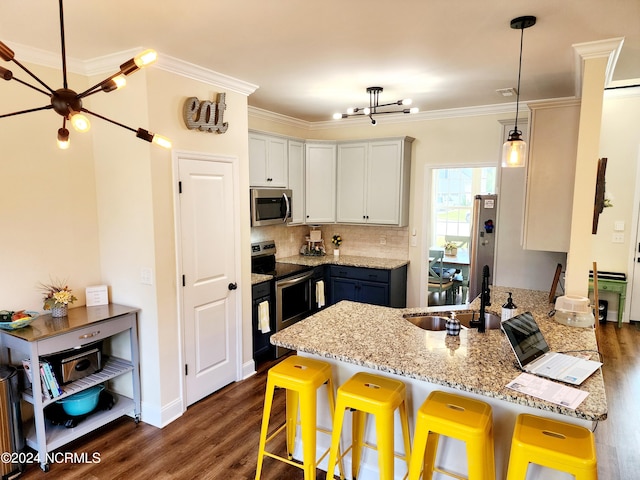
[
  {"x": 176, "y": 155},
  {"x": 634, "y": 234}
]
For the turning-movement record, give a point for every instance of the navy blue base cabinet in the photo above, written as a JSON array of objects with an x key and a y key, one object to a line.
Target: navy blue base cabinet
[{"x": 369, "y": 285}]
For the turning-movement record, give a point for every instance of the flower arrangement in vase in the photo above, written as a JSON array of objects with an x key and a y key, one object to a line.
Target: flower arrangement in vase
[
  {"x": 337, "y": 241},
  {"x": 57, "y": 297},
  {"x": 450, "y": 248}
]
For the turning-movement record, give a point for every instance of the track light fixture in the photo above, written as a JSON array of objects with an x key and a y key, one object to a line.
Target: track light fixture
[
  {"x": 67, "y": 103},
  {"x": 514, "y": 150},
  {"x": 374, "y": 106}
]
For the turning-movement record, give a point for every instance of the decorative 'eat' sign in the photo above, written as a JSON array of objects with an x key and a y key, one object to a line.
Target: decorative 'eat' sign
[{"x": 206, "y": 116}]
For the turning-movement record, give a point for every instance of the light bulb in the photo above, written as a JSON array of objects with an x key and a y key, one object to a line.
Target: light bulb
[
  {"x": 63, "y": 138},
  {"x": 337, "y": 116},
  {"x": 120, "y": 81},
  {"x": 514, "y": 153},
  {"x": 145, "y": 58},
  {"x": 407, "y": 101},
  {"x": 161, "y": 141},
  {"x": 80, "y": 122},
  {"x": 350, "y": 111},
  {"x": 367, "y": 110}
]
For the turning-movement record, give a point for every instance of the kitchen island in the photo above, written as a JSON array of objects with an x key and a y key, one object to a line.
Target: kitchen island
[{"x": 360, "y": 337}]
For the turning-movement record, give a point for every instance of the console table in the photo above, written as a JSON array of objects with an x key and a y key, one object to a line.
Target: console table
[
  {"x": 48, "y": 335},
  {"x": 614, "y": 286}
]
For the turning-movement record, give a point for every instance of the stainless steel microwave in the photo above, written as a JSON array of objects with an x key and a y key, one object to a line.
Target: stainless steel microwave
[{"x": 270, "y": 206}]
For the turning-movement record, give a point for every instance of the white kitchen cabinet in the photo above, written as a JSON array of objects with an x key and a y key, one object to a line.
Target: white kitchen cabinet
[
  {"x": 296, "y": 179},
  {"x": 551, "y": 169},
  {"x": 267, "y": 160},
  {"x": 320, "y": 182},
  {"x": 373, "y": 181},
  {"x": 48, "y": 336}
]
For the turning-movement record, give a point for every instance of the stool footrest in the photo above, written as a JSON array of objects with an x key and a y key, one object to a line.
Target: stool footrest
[
  {"x": 450, "y": 474},
  {"x": 282, "y": 459}
]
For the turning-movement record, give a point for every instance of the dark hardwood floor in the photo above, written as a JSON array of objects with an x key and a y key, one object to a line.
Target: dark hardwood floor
[{"x": 217, "y": 438}]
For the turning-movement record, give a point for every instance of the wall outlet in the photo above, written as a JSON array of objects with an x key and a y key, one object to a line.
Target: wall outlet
[
  {"x": 383, "y": 240},
  {"x": 618, "y": 238}
]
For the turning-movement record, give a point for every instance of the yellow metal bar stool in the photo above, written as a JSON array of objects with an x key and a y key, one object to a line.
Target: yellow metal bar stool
[
  {"x": 301, "y": 377},
  {"x": 363, "y": 394},
  {"x": 455, "y": 416},
  {"x": 553, "y": 444}
]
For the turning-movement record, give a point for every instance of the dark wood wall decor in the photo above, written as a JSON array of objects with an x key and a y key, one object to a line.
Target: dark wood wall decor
[{"x": 598, "y": 204}]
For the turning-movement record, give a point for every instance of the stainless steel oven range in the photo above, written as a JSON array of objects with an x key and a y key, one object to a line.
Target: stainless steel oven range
[{"x": 294, "y": 287}]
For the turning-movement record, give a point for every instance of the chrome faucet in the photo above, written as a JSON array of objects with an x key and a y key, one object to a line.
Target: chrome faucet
[{"x": 485, "y": 300}]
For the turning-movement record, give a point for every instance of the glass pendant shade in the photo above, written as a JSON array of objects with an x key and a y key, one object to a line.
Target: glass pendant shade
[{"x": 514, "y": 152}]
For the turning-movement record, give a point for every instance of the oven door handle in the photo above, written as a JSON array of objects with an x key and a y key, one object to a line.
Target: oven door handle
[{"x": 287, "y": 282}]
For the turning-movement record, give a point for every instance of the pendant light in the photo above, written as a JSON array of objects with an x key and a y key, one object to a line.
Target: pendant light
[{"x": 514, "y": 150}]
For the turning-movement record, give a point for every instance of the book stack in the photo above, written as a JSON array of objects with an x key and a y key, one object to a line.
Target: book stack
[{"x": 50, "y": 386}]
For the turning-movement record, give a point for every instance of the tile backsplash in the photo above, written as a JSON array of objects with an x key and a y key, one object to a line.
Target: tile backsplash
[{"x": 368, "y": 241}]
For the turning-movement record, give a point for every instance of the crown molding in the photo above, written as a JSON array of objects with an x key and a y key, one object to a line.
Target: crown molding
[
  {"x": 623, "y": 89},
  {"x": 391, "y": 118},
  {"x": 109, "y": 64},
  {"x": 599, "y": 49},
  {"x": 395, "y": 118},
  {"x": 25, "y": 53},
  {"x": 262, "y": 114},
  {"x": 204, "y": 75}
]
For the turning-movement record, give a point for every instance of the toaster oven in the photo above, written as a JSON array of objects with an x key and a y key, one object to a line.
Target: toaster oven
[{"x": 76, "y": 363}]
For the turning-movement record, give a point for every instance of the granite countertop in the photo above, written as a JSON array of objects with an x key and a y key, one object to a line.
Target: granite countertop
[
  {"x": 345, "y": 260},
  {"x": 483, "y": 363},
  {"x": 259, "y": 278}
]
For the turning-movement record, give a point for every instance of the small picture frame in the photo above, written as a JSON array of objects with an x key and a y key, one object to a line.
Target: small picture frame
[{"x": 97, "y": 295}]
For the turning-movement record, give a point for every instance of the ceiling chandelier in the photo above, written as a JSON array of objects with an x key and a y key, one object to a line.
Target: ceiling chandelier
[
  {"x": 374, "y": 106},
  {"x": 68, "y": 104},
  {"x": 514, "y": 150}
]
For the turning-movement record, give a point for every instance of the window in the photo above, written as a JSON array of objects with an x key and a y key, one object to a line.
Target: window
[{"x": 453, "y": 193}]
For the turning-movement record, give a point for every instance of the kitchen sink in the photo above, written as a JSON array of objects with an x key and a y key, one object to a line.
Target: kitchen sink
[
  {"x": 437, "y": 322},
  {"x": 428, "y": 322},
  {"x": 492, "y": 320}
]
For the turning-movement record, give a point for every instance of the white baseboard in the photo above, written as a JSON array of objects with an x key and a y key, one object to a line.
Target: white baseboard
[
  {"x": 248, "y": 369},
  {"x": 161, "y": 417}
]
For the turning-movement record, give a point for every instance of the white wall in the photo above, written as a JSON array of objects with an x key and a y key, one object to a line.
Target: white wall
[
  {"x": 103, "y": 209},
  {"x": 47, "y": 199},
  {"x": 620, "y": 144},
  {"x": 135, "y": 188}
]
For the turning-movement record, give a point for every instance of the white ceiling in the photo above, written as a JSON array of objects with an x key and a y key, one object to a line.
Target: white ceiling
[{"x": 312, "y": 59}]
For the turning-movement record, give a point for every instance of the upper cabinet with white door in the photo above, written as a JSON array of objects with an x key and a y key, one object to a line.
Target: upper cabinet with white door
[
  {"x": 267, "y": 160},
  {"x": 551, "y": 171},
  {"x": 373, "y": 181},
  {"x": 320, "y": 182},
  {"x": 296, "y": 180}
]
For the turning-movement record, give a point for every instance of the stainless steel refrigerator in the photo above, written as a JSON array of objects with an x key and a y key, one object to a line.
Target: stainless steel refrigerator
[{"x": 483, "y": 241}]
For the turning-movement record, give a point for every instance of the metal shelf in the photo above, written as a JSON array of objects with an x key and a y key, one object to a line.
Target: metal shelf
[
  {"x": 58, "y": 435},
  {"x": 113, "y": 367}
]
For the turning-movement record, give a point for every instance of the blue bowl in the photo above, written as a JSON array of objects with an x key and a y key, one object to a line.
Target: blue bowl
[{"x": 82, "y": 402}]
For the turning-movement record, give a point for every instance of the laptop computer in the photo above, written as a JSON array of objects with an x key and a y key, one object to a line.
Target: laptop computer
[{"x": 534, "y": 356}]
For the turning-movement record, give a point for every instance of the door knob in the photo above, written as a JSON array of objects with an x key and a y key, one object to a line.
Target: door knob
[{"x": 233, "y": 286}]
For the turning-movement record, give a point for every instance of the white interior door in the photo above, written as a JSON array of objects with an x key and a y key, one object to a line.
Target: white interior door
[{"x": 207, "y": 213}]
